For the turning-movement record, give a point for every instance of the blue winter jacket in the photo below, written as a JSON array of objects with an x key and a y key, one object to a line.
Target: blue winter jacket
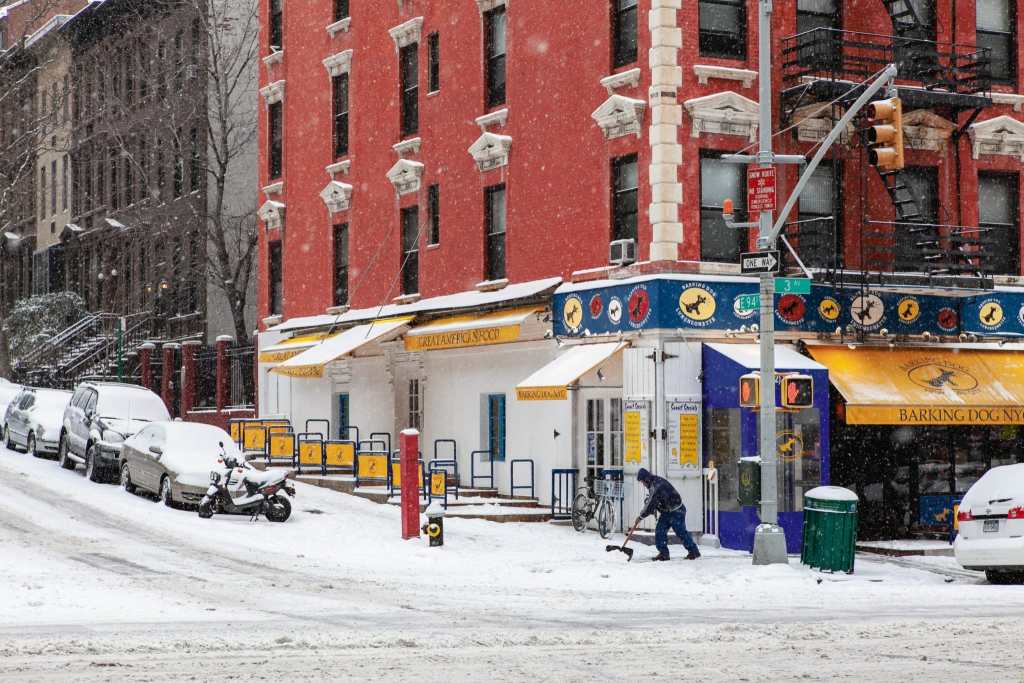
[{"x": 663, "y": 496}]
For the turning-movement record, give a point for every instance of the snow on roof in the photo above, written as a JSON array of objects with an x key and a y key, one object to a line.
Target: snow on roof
[
  {"x": 5, "y": 10},
  {"x": 54, "y": 22},
  {"x": 689, "y": 277},
  {"x": 571, "y": 364},
  {"x": 749, "y": 356},
  {"x": 469, "y": 299}
]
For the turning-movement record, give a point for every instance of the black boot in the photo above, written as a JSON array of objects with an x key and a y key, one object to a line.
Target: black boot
[
  {"x": 660, "y": 557},
  {"x": 693, "y": 556}
]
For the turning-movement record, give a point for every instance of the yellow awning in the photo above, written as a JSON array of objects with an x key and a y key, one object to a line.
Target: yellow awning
[
  {"x": 290, "y": 347},
  {"x": 310, "y": 363},
  {"x": 462, "y": 331},
  {"x": 551, "y": 382},
  {"x": 927, "y": 386}
]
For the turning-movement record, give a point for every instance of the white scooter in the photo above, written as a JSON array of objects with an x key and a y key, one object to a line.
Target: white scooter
[{"x": 264, "y": 493}]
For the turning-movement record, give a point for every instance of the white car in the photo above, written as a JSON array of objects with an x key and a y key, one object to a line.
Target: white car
[
  {"x": 33, "y": 420},
  {"x": 7, "y": 393},
  {"x": 991, "y": 520}
]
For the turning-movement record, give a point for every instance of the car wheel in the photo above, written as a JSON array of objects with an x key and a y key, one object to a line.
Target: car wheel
[
  {"x": 30, "y": 446},
  {"x": 165, "y": 492},
  {"x": 126, "y": 479},
  {"x": 93, "y": 471},
  {"x": 62, "y": 453}
]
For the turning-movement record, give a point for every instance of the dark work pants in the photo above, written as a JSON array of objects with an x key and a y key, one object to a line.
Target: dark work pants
[{"x": 677, "y": 520}]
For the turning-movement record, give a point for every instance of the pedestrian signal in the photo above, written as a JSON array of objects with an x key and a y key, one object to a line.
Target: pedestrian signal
[
  {"x": 885, "y": 136},
  {"x": 797, "y": 391},
  {"x": 750, "y": 390}
]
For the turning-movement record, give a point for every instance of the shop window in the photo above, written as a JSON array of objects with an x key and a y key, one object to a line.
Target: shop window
[
  {"x": 434, "y": 214},
  {"x": 410, "y": 250},
  {"x": 495, "y": 228},
  {"x": 995, "y": 31},
  {"x": 999, "y": 211},
  {"x": 722, "y": 443},
  {"x": 341, "y": 264},
  {"x": 819, "y": 233},
  {"x": 624, "y": 31},
  {"x": 274, "y": 270},
  {"x": 433, "y": 62},
  {"x": 409, "y": 65},
  {"x": 723, "y": 28},
  {"x": 274, "y": 143},
  {"x": 495, "y": 29},
  {"x": 415, "y": 404},
  {"x": 720, "y": 181},
  {"x": 496, "y": 426},
  {"x": 624, "y": 198},
  {"x": 339, "y": 103},
  {"x": 276, "y": 25},
  {"x": 340, "y": 10}
]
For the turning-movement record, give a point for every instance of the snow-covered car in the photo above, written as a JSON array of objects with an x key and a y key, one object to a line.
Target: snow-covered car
[
  {"x": 33, "y": 420},
  {"x": 8, "y": 391},
  {"x": 174, "y": 460},
  {"x": 99, "y": 418},
  {"x": 991, "y": 520}
]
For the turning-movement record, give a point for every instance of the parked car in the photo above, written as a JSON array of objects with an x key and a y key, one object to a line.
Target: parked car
[
  {"x": 33, "y": 420},
  {"x": 99, "y": 418},
  {"x": 991, "y": 521},
  {"x": 174, "y": 459},
  {"x": 8, "y": 391}
]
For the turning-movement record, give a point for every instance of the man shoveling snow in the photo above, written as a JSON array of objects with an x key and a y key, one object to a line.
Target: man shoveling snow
[{"x": 666, "y": 501}]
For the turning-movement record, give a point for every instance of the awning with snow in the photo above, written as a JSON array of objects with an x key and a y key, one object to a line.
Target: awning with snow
[
  {"x": 462, "y": 331},
  {"x": 310, "y": 363},
  {"x": 927, "y": 386},
  {"x": 289, "y": 348},
  {"x": 551, "y": 382}
]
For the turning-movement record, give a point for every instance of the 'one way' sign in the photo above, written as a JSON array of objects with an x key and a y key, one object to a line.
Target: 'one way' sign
[{"x": 759, "y": 262}]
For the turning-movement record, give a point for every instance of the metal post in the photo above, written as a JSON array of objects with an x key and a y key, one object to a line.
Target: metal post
[
  {"x": 120, "y": 348},
  {"x": 769, "y": 538}
]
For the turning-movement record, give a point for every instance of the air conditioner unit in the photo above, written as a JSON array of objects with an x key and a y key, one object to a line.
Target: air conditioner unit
[{"x": 622, "y": 252}]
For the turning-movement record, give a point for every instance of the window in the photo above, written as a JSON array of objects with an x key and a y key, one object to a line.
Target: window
[
  {"x": 433, "y": 62},
  {"x": 495, "y": 25},
  {"x": 42, "y": 192},
  {"x": 415, "y": 404},
  {"x": 411, "y": 250},
  {"x": 496, "y": 426},
  {"x": 53, "y": 187},
  {"x": 276, "y": 25},
  {"x": 812, "y": 14},
  {"x": 195, "y": 166},
  {"x": 494, "y": 247},
  {"x": 719, "y": 181},
  {"x": 409, "y": 64},
  {"x": 341, "y": 264},
  {"x": 339, "y": 99},
  {"x": 923, "y": 185},
  {"x": 64, "y": 184},
  {"x": 819, "y": 234},
  {"x": 723, "y": 28},
  {"x": 66, "y": 99},
  {"x": 999, "y": 211},
  {"x": 434, "y": 214},
  {"x": 129, "y": 180},
  {"x": 275, "y": 293},
  {"x": 996, "y": 32},
  {"x": 624, "y": 31},
  {"x": 340, "y": 10},
  {"x": 274, "y": 130},
  {"x": 817, "y": 48},
  {"x": 624, "y": 198},
  {"x": 179, "y": 166}
]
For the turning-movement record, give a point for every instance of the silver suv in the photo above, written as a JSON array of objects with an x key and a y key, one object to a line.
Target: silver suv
[{"x": 99, "y": 418}]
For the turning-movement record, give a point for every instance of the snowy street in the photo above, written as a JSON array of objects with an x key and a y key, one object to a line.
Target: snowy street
[{"x": 102, "y": 585}]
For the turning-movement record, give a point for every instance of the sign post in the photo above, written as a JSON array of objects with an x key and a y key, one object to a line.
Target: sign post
[{"x": 409, "y": 446}]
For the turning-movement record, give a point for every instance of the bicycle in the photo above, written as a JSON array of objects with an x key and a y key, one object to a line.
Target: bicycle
[{"x": 587, "y": 504}]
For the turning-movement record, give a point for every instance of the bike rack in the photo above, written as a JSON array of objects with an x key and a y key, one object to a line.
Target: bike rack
[
  {"x": 450, "y": 467},
  {"x": 451, "y": 442},
  {"x": 443, "y": 496},
  {"x": 345, "y": 434},
  {"x": 326, "y": 433},
  {"x": 309, "y": 438},
  {"x": 374, "y": 445},
  {"x": 360, "y": 456},
  {"x": 375, "y": 437},
  {"x": 269, "y": 456},
  {"x": 333, "y": 450},
  {"x": 473, "y": 476},
  {"x": 512, "y": 477},
  {"x": 563, "y": 490},
  {"x": 391, "y": 477}
]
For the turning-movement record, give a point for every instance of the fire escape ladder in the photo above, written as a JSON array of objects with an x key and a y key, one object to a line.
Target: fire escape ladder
[{"x": 905, "y": 21}]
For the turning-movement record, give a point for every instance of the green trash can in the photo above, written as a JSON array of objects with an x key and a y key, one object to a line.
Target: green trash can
[
  {"x": 749, "y": 478},
  {"x": 830, "y": 529}
]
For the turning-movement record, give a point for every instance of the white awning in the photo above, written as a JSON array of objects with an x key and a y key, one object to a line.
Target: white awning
[
  {"x": 749, "y": 356},
  {"x": 311, "y": 363},
  {"x": 551, "y": 382},
  {"x": 289, "y": 348},
  {"x": 461, "y": 331}
]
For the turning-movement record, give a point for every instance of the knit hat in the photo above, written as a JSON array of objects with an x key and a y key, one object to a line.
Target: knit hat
[{"x": 643, "y": 475}]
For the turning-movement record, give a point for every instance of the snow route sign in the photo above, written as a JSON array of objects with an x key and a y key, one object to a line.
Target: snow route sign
[{"x": 760, "y": 189}]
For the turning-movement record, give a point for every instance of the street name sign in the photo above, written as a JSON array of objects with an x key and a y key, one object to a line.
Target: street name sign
[
  {"x": 760, "y": 189},
  {"x": 792, "y": 285},
  {"x": 748, "y": 302},
  {"x": 754, "y": 262}
]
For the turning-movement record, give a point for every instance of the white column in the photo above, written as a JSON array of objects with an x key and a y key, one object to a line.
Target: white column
[{"x": 666, "y": 117}]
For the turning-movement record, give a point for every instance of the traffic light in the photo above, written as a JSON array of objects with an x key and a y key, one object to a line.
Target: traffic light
[
  {"x": 886, "y": 134},
  {"x": 797, "y": 391},
  {"x": 750, "y": 390}
]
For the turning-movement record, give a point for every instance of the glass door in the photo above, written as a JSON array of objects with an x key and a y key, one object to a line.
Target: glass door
[{"x": 602, "y": 437}]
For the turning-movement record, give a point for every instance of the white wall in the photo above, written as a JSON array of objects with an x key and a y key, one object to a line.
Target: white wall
[{"x": 371, "y": 407}]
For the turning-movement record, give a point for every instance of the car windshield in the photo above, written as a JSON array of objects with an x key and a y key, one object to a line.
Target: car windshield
[{"x": 131, "y": 404}]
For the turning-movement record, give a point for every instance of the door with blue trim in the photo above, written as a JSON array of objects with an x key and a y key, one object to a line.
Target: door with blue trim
[
  {"x": 496, "y": 426},
  {"x": 342, "y": 414}
]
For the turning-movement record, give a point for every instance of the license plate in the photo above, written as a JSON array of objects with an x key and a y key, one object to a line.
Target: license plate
[{"x": 991, "y": 525}]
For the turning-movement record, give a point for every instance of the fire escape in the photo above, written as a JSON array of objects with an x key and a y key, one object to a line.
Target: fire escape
[{"x": 824, "y": 65}]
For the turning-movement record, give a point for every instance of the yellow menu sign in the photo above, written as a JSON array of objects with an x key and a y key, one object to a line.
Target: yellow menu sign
[{"x": 635, "y": 421}]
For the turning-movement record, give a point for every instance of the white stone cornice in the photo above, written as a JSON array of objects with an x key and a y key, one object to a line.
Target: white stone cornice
[
  {"x": 626, "y": 79},
  {"x": 1016, "y": 101},
  {"x": 488, "y": 5},
  {"x": 338, "y": 64},
  {"x": 410, "y": 146},
  {"x": 406, "y": 176},
  {"x": 337, "y": 196},
  {"x": 495, "y": 118},
  {"x": 813, "y": 124},
  {"x": 272, "y": 213},
  {"x": 726, "y": 113},
  {"x": 342, "y": 167},
  {"x": 275, "y": 57},
  {"x": 924, "y": 129},
  {"x": 340, "y": 26},
  {"x": 1002, "y": 135},
  {"x": 274, "y": 188},
  {"x": 407, "y": 33},
  {"x": 273, "y": 92},
  {"x": 620, "y": 115},
  {"x": 706, "y": 71},
  {"x": 491, "y": 151}
]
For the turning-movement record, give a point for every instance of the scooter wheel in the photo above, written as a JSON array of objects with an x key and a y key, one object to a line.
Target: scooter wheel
[
  {"x": 278, "y": 509},
  {"x": 205, "y": 511}
]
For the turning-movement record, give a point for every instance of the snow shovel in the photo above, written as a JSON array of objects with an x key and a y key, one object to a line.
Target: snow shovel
[{"x": 623, "y": 548}]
